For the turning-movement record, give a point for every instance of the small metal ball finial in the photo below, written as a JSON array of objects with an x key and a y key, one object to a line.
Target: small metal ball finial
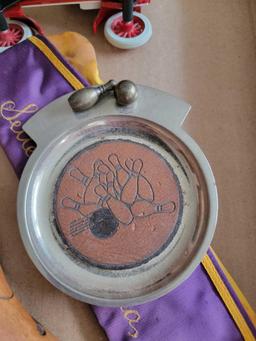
[{"x": 126, "y": 92}]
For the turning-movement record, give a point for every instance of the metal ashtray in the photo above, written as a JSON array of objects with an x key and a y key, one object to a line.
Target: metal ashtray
[{"x": 117, "y": 205}]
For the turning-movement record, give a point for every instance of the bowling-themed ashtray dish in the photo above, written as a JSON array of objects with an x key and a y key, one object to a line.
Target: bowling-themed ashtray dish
[{"x": 117, "y": 205}]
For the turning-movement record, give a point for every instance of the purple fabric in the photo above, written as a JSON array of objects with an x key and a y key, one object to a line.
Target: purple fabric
[
  {"x": 192, "y": 312},
  {"x": 28, "y": 82},
  {"x": 232, "y": 292}
]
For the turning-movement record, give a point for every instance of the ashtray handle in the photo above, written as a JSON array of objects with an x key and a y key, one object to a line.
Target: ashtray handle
[{"x": 151, "y": 104}]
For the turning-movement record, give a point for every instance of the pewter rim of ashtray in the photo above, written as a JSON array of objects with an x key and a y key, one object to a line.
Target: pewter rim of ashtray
[{"x": 211, "y": 188}]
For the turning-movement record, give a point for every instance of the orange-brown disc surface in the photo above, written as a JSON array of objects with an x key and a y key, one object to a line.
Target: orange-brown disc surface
[{"x": 117, "y": 204}]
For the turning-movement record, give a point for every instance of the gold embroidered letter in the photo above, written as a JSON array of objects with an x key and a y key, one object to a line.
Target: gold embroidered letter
[
  {"x": 10, "y": 114},
  {"x": 132, "y": 316}
]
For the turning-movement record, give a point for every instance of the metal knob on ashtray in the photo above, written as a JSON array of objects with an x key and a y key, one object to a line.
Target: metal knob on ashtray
[
  {"x": 117, "y": 205},
  {"x": 125, "y": 93}
]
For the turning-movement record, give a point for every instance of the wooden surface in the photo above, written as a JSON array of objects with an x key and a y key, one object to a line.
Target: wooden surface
[
  {"x": 15, "y": 322},
  {"x": 204, "y": 52}
]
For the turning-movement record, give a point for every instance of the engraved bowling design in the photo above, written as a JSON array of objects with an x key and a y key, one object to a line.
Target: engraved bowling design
[
  {"x": 120, "y": 210},
  {"x": 137, "y": 184},
  {"x": 117, "y": 204},
  {"x": 121, "y": 174}
]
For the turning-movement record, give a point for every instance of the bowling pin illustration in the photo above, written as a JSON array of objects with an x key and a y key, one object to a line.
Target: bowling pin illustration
[
  {"x": 130, "y": 190},
  {"x": 89, "y": 195},
  {"x": 78, "y": 175},
  {"x": 120, "y": 173},
  {"x": 142, "y": 208},
  {"x": 82, "y": 208},
  {"x": 103, "y": 179},
  {"x": 103, "y": 168},
  {"x": 129, "y": 164},
  {"x": 145, "y": 189},
  {"x": 119, "y": 209},
  {"x": 105, "y": 172},
  {"x": 117, "y": 187},
  {"x": 101, "y": 191},
  {"x": 110, "y": 185}
]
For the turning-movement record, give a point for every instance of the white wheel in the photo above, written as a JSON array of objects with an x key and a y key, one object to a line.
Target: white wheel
[
  {"x": 139, "y": 35},
  {"x": 16, "y": 33}
]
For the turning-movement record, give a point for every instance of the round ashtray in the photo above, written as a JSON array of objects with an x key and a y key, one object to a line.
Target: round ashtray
[{"x": 117, "y": 211}]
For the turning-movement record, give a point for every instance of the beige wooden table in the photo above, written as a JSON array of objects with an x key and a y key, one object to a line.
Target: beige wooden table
[{"x": 204, "y": 52}]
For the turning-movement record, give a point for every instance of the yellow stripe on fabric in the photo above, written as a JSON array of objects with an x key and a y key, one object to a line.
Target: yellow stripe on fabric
[
  {"x": 69, "y": 76},
  {"x": 250, "y": 312},
  {"x": 227, "y": 299}
]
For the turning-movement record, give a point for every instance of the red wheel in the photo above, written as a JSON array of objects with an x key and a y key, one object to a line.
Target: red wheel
[
  {"x": 128, "y": 35},
  {"x": 16, "y": 33},
  {"x": 12, "y": 36},
  {"x": 131, "y": 29}
]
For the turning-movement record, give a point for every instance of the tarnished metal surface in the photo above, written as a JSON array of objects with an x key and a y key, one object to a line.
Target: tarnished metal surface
[{"x": 153, "y": 122}]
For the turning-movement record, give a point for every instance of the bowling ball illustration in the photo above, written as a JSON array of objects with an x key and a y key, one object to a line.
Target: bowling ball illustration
[
  {"x": 103, "y": 223},
  {"x": 117, "y": 204}
]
